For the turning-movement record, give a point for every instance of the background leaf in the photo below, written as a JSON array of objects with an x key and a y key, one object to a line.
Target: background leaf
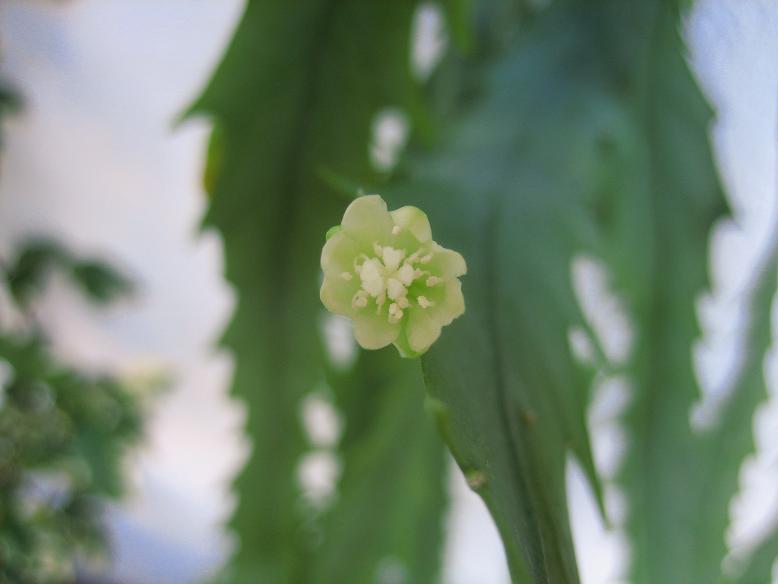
[
  {"x": 759, "y": 565},
  {"x": 509, "y": 393},
  {"x": 27, "y": 274},
  {"x": 725, "y": 446},
  {"x": 9, "y": 102},
  {"x": 731, "y": 439},
  {"x": 387, "y": 523},
  {"x": 294, "y": 101},
  {"x": 63, "y": 438},
  {"x": 679, "y": 482},
  {"x": 590, "y": 135}
]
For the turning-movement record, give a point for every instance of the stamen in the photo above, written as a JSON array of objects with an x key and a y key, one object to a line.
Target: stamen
[
  {"x": 424, "y": 303},
  {"x": 395, "y": 313},
  {"x": 414, "y": 256},
  {"x": 433, "y": 281},
  {"x": 426, "y": 259},
  {"x": 358, "y": 266},
  {"x": 346, "y": 276},
  {"x": 406, "y": 274},
  {"x": 392, "y": 258},
  {"x": 402, "y": 302},
  {"x": 395, "y": 289},
  {"x": 379, "y": 302},
  {"x": 372, "y": 281},
  {"x": 396, "y": 230},
  {"x": 359, "y": 300}
]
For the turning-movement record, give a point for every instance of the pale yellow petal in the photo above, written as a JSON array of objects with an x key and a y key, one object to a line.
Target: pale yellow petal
[
  {"x": 336, "y": 294},
  {"x": 367, "y": 219},
  {"x": 401, "y": 342},
  {"x": 422, "y": 330},
  {"x": 414, "y": 220},
  {"x": 373, "y": 331},
  {"x": 447, "y": 263},
  {"x": 449, "y": 303},
  {"x": 339, "y": 253}
]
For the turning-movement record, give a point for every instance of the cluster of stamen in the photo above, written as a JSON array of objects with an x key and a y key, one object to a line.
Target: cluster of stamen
[{"x": 387, "y": 276}]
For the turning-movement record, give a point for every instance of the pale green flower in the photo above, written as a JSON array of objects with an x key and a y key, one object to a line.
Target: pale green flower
[{"x": 384, "y": 272}]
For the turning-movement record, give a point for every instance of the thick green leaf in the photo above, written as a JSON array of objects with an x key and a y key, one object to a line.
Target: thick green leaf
[
  {"x": 725, "y": 446},
  {"x": 510, "y": 188},
  {"x": 388, "y": 520},
  {"x": 294, "y": 101},
  {"x": 732, "y": 438},
  {"x": 758, "y": 568},
  {"x": 658, "y": 219},
  {"x": 594, "y": 119},
  {"x": 458, "y": 18}
]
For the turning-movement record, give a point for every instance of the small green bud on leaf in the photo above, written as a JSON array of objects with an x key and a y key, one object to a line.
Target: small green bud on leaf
[{"x": 384, "y": 272}]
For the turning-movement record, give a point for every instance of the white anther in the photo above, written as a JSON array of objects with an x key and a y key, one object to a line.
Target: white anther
[
  {"x": 392, "y": 258},
  {"x": 362, "y": 258},
  {"x": 372, "y": 281},
  {"x": 424, "y": 303},
  {"x": 346, "y": 276},
  {"x": 395, "y": 289},
  {"x": 402, "y": 302},
  {"x": 426, "y": 259},
  {"x": 406, "y": 274},
  {"x": 396, "y": 230},
  {"x": 360, "y": 299},
  {"x": 395, "y": 313},
  {"x": 433, "y": 281},
  {"x": 379, "y": 302}
]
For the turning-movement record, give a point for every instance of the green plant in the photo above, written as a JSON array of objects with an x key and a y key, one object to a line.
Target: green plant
[
  {"x": 546, "y": 132},
  {"x": 62, "y": 432}
]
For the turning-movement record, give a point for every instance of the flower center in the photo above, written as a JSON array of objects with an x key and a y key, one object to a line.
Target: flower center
[{"x": 388, "y": 275}]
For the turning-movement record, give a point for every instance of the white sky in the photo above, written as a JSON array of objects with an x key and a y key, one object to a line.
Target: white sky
[{"x": 94, "y": 159}]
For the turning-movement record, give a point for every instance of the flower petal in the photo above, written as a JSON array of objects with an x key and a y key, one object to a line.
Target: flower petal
[
  {"x": 414, "y": 220},
  {"x": 401, "y": 343},
  {"x": 336, "y": 294},
  {"x": 422, "y": 330},
  {"x": 447, "y": 263},
  {"x": 338, "y": 254},
  {"x": 367, "y": 219},
  {"x": 449, "y": 303},
  {"x": 373, "y": 331}
]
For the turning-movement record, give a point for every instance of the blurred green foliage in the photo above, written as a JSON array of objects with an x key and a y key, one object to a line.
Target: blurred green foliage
[
  {"x": 294, "y": 107},
  {"x": 548, "y": 131},
  {"x": 27, "y": 275},
  {"x": 9, "y": 102},
  {"x": 63, "y": 433}
]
